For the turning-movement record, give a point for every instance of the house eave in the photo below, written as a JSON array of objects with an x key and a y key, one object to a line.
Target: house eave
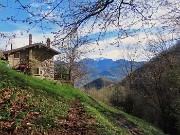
[{"x": 31, "y": 46}]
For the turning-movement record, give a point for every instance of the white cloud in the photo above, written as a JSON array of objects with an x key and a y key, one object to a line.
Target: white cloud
[
  {"x": 22, "y": 37},
  {"x": 103, "y": 48},
  {"x": 131, "y": 47},
  {"x": 119, "y": 54}
]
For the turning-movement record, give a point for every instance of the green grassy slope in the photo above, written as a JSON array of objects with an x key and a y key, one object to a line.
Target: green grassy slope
[{"x": 30, "y": 105}]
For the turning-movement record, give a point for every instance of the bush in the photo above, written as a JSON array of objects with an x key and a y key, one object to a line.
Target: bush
[{"x": 118, "y": 96}]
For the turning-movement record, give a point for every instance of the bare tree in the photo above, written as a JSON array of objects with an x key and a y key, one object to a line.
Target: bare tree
[
  {"x": 126, "y": 17},
  {"x": 129, "y": 62},
  {"x": 71, "y": 55}
]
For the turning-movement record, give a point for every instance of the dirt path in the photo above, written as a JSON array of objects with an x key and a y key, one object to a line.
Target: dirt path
[
  {"x": 130, "y": 126},
  {"x": 77, "y": 122}
]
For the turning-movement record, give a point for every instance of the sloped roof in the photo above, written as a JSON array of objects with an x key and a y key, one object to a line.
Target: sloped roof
[{"x": 31, "y": 46}]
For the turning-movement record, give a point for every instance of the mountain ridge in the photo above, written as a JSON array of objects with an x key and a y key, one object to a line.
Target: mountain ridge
[{"x": 107, "y": 68}]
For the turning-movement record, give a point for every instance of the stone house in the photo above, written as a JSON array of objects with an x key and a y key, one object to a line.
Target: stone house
[{"x": 34, "y": 59}]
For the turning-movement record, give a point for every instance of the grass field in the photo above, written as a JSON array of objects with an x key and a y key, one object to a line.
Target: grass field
[{"x": 31, "y": 105}]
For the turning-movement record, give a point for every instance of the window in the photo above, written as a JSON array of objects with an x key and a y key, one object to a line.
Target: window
[
  {"x": 37, "y": 71},
  {"x": 16, "y": 55}
]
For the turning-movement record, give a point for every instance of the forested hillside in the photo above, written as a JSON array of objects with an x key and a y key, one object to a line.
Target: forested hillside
[
  {"x": 152, "y": 91},
  {"x": 98, "y": 84}
]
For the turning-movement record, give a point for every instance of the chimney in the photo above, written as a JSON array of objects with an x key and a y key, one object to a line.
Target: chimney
[
  {"x": 30, "y": 39},
  {"x": 11, "y": 46},
  {"x": 48, "y": 42}
]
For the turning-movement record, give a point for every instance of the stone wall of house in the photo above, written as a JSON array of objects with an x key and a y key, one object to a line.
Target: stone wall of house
[
  {"x": 24, "y": 57},
  {"x": 12, "y": 61},
  {"x": 47, "y": 68},
  {"x": 1, "y": 54},
  {"x": 44, "y": 61},
  {"x": 15, "y": 62}
]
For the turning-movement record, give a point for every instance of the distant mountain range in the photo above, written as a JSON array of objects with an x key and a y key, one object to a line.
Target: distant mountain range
[{"x": 107, "y": 68}]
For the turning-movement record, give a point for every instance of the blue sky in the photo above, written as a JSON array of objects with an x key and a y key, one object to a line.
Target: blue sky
[{"x": 108, "y": 46}]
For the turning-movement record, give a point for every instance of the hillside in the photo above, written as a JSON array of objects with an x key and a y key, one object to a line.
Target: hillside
[
  {"x": 155, "y": 88},
  {"x": 32, "y": 106},
  {"x": 98, "y": 84}
]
